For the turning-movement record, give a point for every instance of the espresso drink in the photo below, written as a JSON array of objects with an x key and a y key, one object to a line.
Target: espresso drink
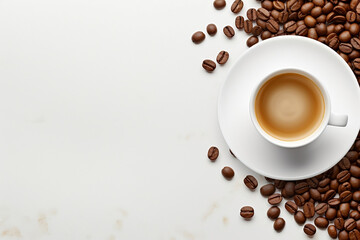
[{"x": 289, "y": 106}]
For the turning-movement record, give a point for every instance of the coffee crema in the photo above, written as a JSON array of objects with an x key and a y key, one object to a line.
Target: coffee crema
[{"x": 289, "y": 106}]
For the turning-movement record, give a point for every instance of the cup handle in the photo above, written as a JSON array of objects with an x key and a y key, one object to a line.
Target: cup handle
[{"x": 338, "y": 120}]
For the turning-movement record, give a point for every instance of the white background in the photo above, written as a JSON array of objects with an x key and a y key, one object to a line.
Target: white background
[{"x": 106, "y": 119}]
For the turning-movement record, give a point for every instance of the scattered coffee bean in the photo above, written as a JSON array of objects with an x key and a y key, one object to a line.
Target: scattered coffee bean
[
  {"x": 332, "y": 231},
  {"x": 213, "y": 153},
  {"x": 355, "y": 171},
  {"x": 289, "y": 190},
  {"x": 343, "y": 176},
  {"x": 352, "y": 156},
  {"x": 355, "y": 215},
  {"x": 247, "y": 212},
  {"x": 267, "y": 189},
  {"x": 354, "y": 234},
  {"x": 349, "y": 224},
  {"x": 343, "y": 235},
  {"x": 275, "y": 199},
  {"x": 331, "y": 214},
  {"x": 263, "y": 14},
  {"x": 251, "y": 14},
  {"x": 229, "y": 31},
  {"x": 272, "y": 26},
  {"x": 267, "y": 4},
  {"x": 321, "y": 222},
  {"x": 315, "y": 194},
  {"x": 248, "y": 26},
  {"x": 211, "y": 29},
  {"x": 291, "y": 207},
  {"x": 299, "y": 217},
  {"x": 279, "y": 224},
  {"x": 222, "y": 57},
  {"x": 309, "y": 229},
  {"x": 309, "y": 209},
  {"x": 256, "y": 31},
  {"x": 334, "y": 202},
  {"x": 239, "y": 22},
  {"x": 198, "y": 37},
  {"x": 301, "y": 188},
  {"x": 344, "y": 209},
  {"x": 299, "y": 200},
  {"x": 237, "y": 6},
  {"x": 228, "y": 173},
  {"x": 209, "y": 66},
  {"x": 252, "y": 41},
  {"x": 321, "y": 208},
  {"x": 339, "y": 223},
  {"x": 219, "y": 4},
  {"x": 273, "y": 212},
  {"x": 279, "y": 184},
  {"x": 345, "y": 163},
  {"x": 251, "y": 182},
  {"x": 346, "y": 186},
  {"x": 346, "y": 196}
]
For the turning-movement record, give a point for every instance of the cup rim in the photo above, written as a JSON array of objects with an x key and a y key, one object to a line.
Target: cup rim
[{"x": 301, "y": 142}]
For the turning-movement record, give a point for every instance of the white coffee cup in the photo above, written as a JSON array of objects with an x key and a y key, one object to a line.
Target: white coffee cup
[{"x": 328, "y": 119}]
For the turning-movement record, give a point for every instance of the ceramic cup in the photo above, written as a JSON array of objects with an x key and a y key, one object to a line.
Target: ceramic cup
[{"x": 328, "y": 119}]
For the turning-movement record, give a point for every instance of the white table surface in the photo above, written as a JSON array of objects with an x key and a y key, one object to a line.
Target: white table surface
[{"x": 106, "y": 119}]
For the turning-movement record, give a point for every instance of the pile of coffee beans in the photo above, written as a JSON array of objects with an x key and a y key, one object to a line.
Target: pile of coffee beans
[
  {"x": 333, "y": 197},
  {"x": 332, "y": 22}
]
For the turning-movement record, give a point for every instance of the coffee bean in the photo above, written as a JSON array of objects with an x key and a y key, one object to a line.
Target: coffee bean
[
  {"x": 198, "y": 37},
  {"x": 334, "y": 184},
  {"x": 309, "y": 229},
  {"x": 327, "y": 8},
  {"x": 272, "y": 26},
  {"x": 256, "y": 31},
  {"x": 352, "y": 155},
  {"x": 251, "y": 14},
  {"x": 252, "y": 41},
  {"x": 213, "y": 152},
  {"x": 323, "y": 189},
  {"x": 345, "y": 36},
  {"x": 321, "y": 222},
  {"x": 229, "y": 31},
  {"x": 219, "y": 4},
  {"x": 321, "y": 208},
  {"x": 273, "y": 212},
  {"x": 312, "y": 182},
  {"x": 222, "y": 57},
  {"x": 289, "y": 190},
  {"x": 275, "y": 199},
  {"x": 283, "y": 17},
  {"x": 307, "y": 7},
  {"x": 209, "y": 66},
  {"x": 299, "y": 217},
  {"x": 291, "y": 207},
  {"x": 324, "y": 182},
  {"x": 237, "y": 6},
  {"x": 247, "y": 212},
  {"x": 354, "y": 214},
  {"x": 332, "y": 231},
  {"x": 290, "y": 26},
  {"x": 306, "y": 196},
  {"x": 239, "y": 22},
  {"x": 345, "y": 164},
  {"x": 279, "y": 224},
  {"x": 349, "y": 224},
  {"x": 310, "y": 21},
  {"x": 317, "y": 12},
  {"x": 312, "y": 33},
  {"x": 329, "y": 195},
  {"x": 339, "y": 10},
  {"x": 346, "y": 196},
  {"x": 251, "y": 182},
  {"x": 248, "y": 26},
  {"x": 355, "y": 171},
  {"x": 279, "y": 184},
  {"x": 267, "y": 4},
  {"x": 309, "y": 209},
  {"x": 293, "y": 5},
  {"x": 339, "y": 223},
  {"x": 354, "y": 235},
  {"x": 321, "y": 29},
  {"x": 211, "y": 29},
  {"x": 299, "y": 200},
  {"x": 265, "y": 35},
  {"x": 278, "y": 5},
  {"x": 319, "y": 2},
  {"x": 315, "y": 194},
  {"x": 301, "y": 30},
  {"x": 344, "y": 187},
  {"x": 330, "y": 214},
  {"x": 343, "y": 235},
  {"x": 353, "y": 204},
  {"x": 267, "y": 190},
  {"x": 334, "y": 202},
  {"x": 354, "y": 29},
  {"x": 355, "y": 42},
  {"x": 356, "y": 196},
  {"x": 301, "y": 187},
  {"x": 228, "y": 173},
  {"x": 344, "y": 209},
  {"x": 351, "y": 16},
  {"x": 343, "y": 176},
  {"x": 263, "y": 14}
]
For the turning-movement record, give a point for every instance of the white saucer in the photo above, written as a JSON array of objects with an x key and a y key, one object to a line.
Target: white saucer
[{"x": 241, "y": 135}]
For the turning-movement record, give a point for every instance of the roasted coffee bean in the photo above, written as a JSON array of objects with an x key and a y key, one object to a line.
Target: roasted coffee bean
[
  {"x": 273, "y": 212},
  {"x": 267, "y": 4},
  {"x": 354, "y": 214},
  {"x": 278, "y": 5},
  {"x": 321, "y": 19},
  {"x": 349, "y": 224},
  {"x": 351, "y": 16},
  {"x": 239, "y": 22},
  {"x": 272, "y": 26},
  {"x": 339, "y": 28},
  {"x": 309, "y": 229},
  {"x": 319, "y": 2},
  {"x": 321, "y": 208},
  {"x": 353, "y": 205},
  {"x": 345, "y": 36},
  {"x": 265, "y": 35},
  {"x": 345, "y": 164},
  {"x": 352, "y": 155},
  {"x": 301, "y": 30},
  {"x": 321, "y": 222},
  {"x": 334, "y": 202},
  {"x": 301, "y": 187},
  {"x": 267, "y": 189},
  {"x": 354, "y": 235},
  {"x": 354, "y": 29},
  {"x": 274, "y": 14},
  {"x": 291, "y": 207},
  {"x": 256, "y": 31},
  {"x": 334, "y": 184},
  {"x": 346, "y": 186},
  {"x": 213, "y": 153},
  {"x": 251, "y": 182},
  {"x": 237, "y": 6},
  {"x": 306, "y": 196},
  {"x": 252, "y": 41},
  {"x": 279, "y": 224},
  {"x": 211, "y": 29},
  {"x": 312, "y": 33},
  {"x": 283, "y": 17},
  {"x": 323, "y": 189},
  {"x": 209, "y": 66},
  {"x": 353, "y": 4},
  {"x": 261, "y": 24},
  {"x": 299, "y": 200},
  {"x": 310, "y": 21},
  {"x": 289, "y": 190},
  {"x": 275, "y": 199},
  {"x": 344, "y": 209},
  {"x": 251, "y": 14},
  {"x": 356, "y": 196},
  {"x": 247, "y": 212},
  {"x": 317, "y": 12},
  {"x": 306, "y": 8},
  {"x": 222, "y": 57},
  {"x": 263, "y": 14},
  {"x": 315, "y": 194},
  {"x": 279, "y": 184},
  {"x": 300, "y": 16},
  {"x": 329, "y": 195},
  {"x": 219, "y": 4},
  {"x": 339, "y": 223},
  {"x": 312, "y": 182},
  {"x": 290, "y": 26},
  {"x": 343, "y": 176},
  {"x": 228, "y": 172},
  {"x": 309, "y": 209},
  {"x": 339, "y": 10},
  {"x": 198, "y": 37},
  {"x": 327, "y": 8},
  {"x": 324, "y": 182},
  {"x": 321, "y": 29},
  {"x": 330, "y": 214},
  {"x": 299, "y": 217},
  {"x": 248, "y": 26},
  {"x": 355, "y": 171},
  {"x": 293, "y": 5},
  {"x": 346, "y": 196},
  {"x": 332, "y": 231},
  {"x": 343, "y": 235},
  {"x": 229, "y": 31}
]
